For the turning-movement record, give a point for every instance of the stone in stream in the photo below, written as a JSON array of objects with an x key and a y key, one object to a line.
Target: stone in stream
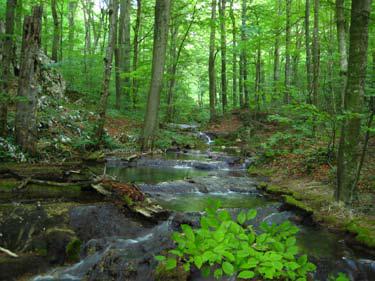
[{"x": 213, "y": 184}]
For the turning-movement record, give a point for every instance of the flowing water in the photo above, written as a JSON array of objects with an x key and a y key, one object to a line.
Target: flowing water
[{"x": 185, "y": 183}]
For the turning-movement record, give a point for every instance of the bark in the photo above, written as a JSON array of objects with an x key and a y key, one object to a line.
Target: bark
[
  {"x": 176, "y": 53},
  {"x": 7, "y": 60},
  {"x": 243, "y": 57},
  {"x": 87, "y": 48},
  {"x": 316, "y": 54},
  {"x": 102, "y": 109},
  {"x": 258, "y": 76},
  {"x": 162, "y": 16},
  {"x": 348, "y": 155},
  {"x": 341, "y": 38},
  {"x": 308, "y": 52},
  {"x": 276, "y": 61},
  {"x": 25, "y": 123},
  {"x": 137, "y": 29},
  {"x": 296, "y": 57},
  {"x": 223, "y": 48},
  {"x": 56, "y": 31},
  {"x": 287, "y": 52},
  {"x": 234, "y": 57},
  {"x": 123, "y": 57},
  {"x": 211, "y": 63},
  {"x": 72, "y": 8}
]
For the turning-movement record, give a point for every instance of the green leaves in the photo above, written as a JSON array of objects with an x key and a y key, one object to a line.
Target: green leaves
[{"x": 233, "y": 249}]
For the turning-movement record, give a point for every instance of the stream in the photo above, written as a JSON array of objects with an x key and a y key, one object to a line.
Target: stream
[{"x": 119, "y": 246}]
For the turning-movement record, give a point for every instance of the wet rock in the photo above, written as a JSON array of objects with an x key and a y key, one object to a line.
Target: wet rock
[{"x": 98, "y": 221}]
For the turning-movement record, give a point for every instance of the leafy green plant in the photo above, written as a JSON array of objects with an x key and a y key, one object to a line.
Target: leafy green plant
[
  {"x": 340, "y": 277},
  {"x": 224, "y": 246}
]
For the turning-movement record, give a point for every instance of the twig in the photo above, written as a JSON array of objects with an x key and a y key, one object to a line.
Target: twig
[{"x": 10, "y": 253}]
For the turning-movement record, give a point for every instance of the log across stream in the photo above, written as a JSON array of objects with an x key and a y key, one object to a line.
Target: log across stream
[{"x": 81, "y": 235}]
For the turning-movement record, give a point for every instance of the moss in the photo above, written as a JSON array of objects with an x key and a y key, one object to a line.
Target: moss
[
  {"x": 296, "y": 203},
  {"x": 73, "y": 249},
  {"x": 177, "y": 274},
  {"x": 363, "y": 235},
  {"x": 258, "y": 171},
  {"x": 7, "y": 185}
]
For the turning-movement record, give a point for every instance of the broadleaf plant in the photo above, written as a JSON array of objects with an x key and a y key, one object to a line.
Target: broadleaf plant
[{"x": 224, "y": 246}]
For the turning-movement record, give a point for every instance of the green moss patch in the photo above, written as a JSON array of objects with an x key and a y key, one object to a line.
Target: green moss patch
[{"x": 290, "y": 200}]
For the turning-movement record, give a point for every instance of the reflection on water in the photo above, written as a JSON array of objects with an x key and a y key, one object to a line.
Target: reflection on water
[
  {"x": 195, "y": 202},
  {"x": 153, "y": 175}
]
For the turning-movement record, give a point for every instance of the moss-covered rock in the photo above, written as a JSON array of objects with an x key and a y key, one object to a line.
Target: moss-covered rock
[
  {"x": 290, "y": 200},
  {"x": 73, "y": 250},
  {"x": 363, "y": 235},
  {"x": 177, "y": 274}
]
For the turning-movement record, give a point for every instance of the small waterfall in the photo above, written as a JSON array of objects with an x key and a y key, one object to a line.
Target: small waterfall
[{"x": 206, "y": 137}]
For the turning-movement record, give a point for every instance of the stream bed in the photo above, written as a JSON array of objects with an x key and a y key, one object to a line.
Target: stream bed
[{"x": 118, "y": 246}]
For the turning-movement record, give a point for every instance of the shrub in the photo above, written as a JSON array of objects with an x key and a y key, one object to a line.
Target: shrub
[{"x": 232, "y": 247}]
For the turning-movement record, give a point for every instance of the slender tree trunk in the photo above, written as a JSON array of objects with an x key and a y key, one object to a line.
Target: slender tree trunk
[
  {"x": 137, "y": 28},
  {"x": 56, "y": 31},
  {"x": 243, "y": 57},
  {"x": 87, "y": 48},
  {"x": 223, "y": 48},
  {"x": 316, "y": 53},
  {"x": 211, "y": 63},
  {"x": 348, "y": 154},
  {"x": 6, "y": 61},
  {"x": 258, "y": 76},
  {"x": 296, "y": 57},
  {"x": 102, "y": 109},
  {"x": 287, "y": 52},
  {"x": 309, "y": 70},
  {"x": 234, "y": 57},
  {"x": 162, "y": 16},
  {"x": 25, "y": 123},
  {"x": 124, "y": 50},
  {"x": 276, "y": 61},
  {"x": 176, "y": 53},
  {"x": 341, "y": 38},
  {"x": 72, "y": 8}
]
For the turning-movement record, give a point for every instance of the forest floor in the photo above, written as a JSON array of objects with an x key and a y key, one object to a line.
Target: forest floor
[{"x": 302, "y": 173}]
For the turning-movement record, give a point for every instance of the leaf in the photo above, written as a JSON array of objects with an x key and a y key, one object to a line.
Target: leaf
[
  {"x": 241, "y": 218},
  {"x": 176, "y": 252},
  {"x": 186, "y": 267},
  {"x": 251, "y": 214},
  {"x": 291, "y": 241},
  {"x": 247, "y": 274},
  {"x": 171, "y": 264},
  {"x": 198, "y": 261},
  {"x": 228, "y": 268},
  {"x": 219, "y": 235},
  {"x": 160, "y": 258},
  {"x": 224, "y": 216},
  {"x": 302, "y": 260},
  {"x": 188, "y": 232},
  {"x": 218, "y": 273}
]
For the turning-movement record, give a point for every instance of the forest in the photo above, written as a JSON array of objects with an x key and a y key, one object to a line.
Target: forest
[{"x": 187, "y": 140}]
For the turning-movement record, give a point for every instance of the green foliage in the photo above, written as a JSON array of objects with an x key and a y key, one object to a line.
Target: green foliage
[
  {"x": 340, "y": 277},
  {"x": 167, "y": 139},
  {"x": 72, "y": 250},
  {"x": 226, "y": 246}
]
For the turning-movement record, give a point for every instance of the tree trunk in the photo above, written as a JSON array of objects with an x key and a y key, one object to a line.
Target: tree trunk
[
  {"x": 223, "y": 48},
  {"x": 72, "y": 8},
  {"x": 124, "y": 50},
  {"x": 25, "y": 123},
  {"x": 234, "y": 57},
  {"x": 316, "y": 53},
  {"x": 258, "y": 76},
  {"x": 137, "y": 28},
  {"x": 347, "y": 161},
  {"x": 6, "y": 61},
  {"x": 287, "y": 52},
  {"x": 341, "y": 38},
  {"x": 276, "y": 61},
  {"x": 211, "y": 63},
  {"x": 162, "y": 16},
  {"x": 102, "y": 109},
  {"x": 308, "y": 52},
  {"x": 56, "y": 31},
  {"x": 243, "y": 57},
  {"x": 176, "y": 53}
]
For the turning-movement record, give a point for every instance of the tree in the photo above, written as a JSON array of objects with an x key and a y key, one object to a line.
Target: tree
[
  {"x": 316, "y": 53},
  {"x": 341, "y": 38},
  {"x": 123, "y": 53},
  {"x": 308, "y": 52},
  {"x": 244, "y": 88},
  {"x": 287, "y": 51},
  {"x": 223, "y": 48},
  {"x": 348, "y": 154},
  {"x": 56, "y": 31},
  {"x": 211, "y": 62},
  {"x": 234, "y": 57},
  {"x": 162, "y": 16},
  {"x": 72, "y": 8},
  {"x": 25, "y": 123},
  {"x": 137, "y": 27},
  {"x": 7, "y": 61},
  {"x": 102, "y": 109},
  {"x": 276, "y": 60}
]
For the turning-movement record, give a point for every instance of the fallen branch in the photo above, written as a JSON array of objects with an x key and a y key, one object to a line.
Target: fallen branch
[{"x": 8, "y": 252}]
